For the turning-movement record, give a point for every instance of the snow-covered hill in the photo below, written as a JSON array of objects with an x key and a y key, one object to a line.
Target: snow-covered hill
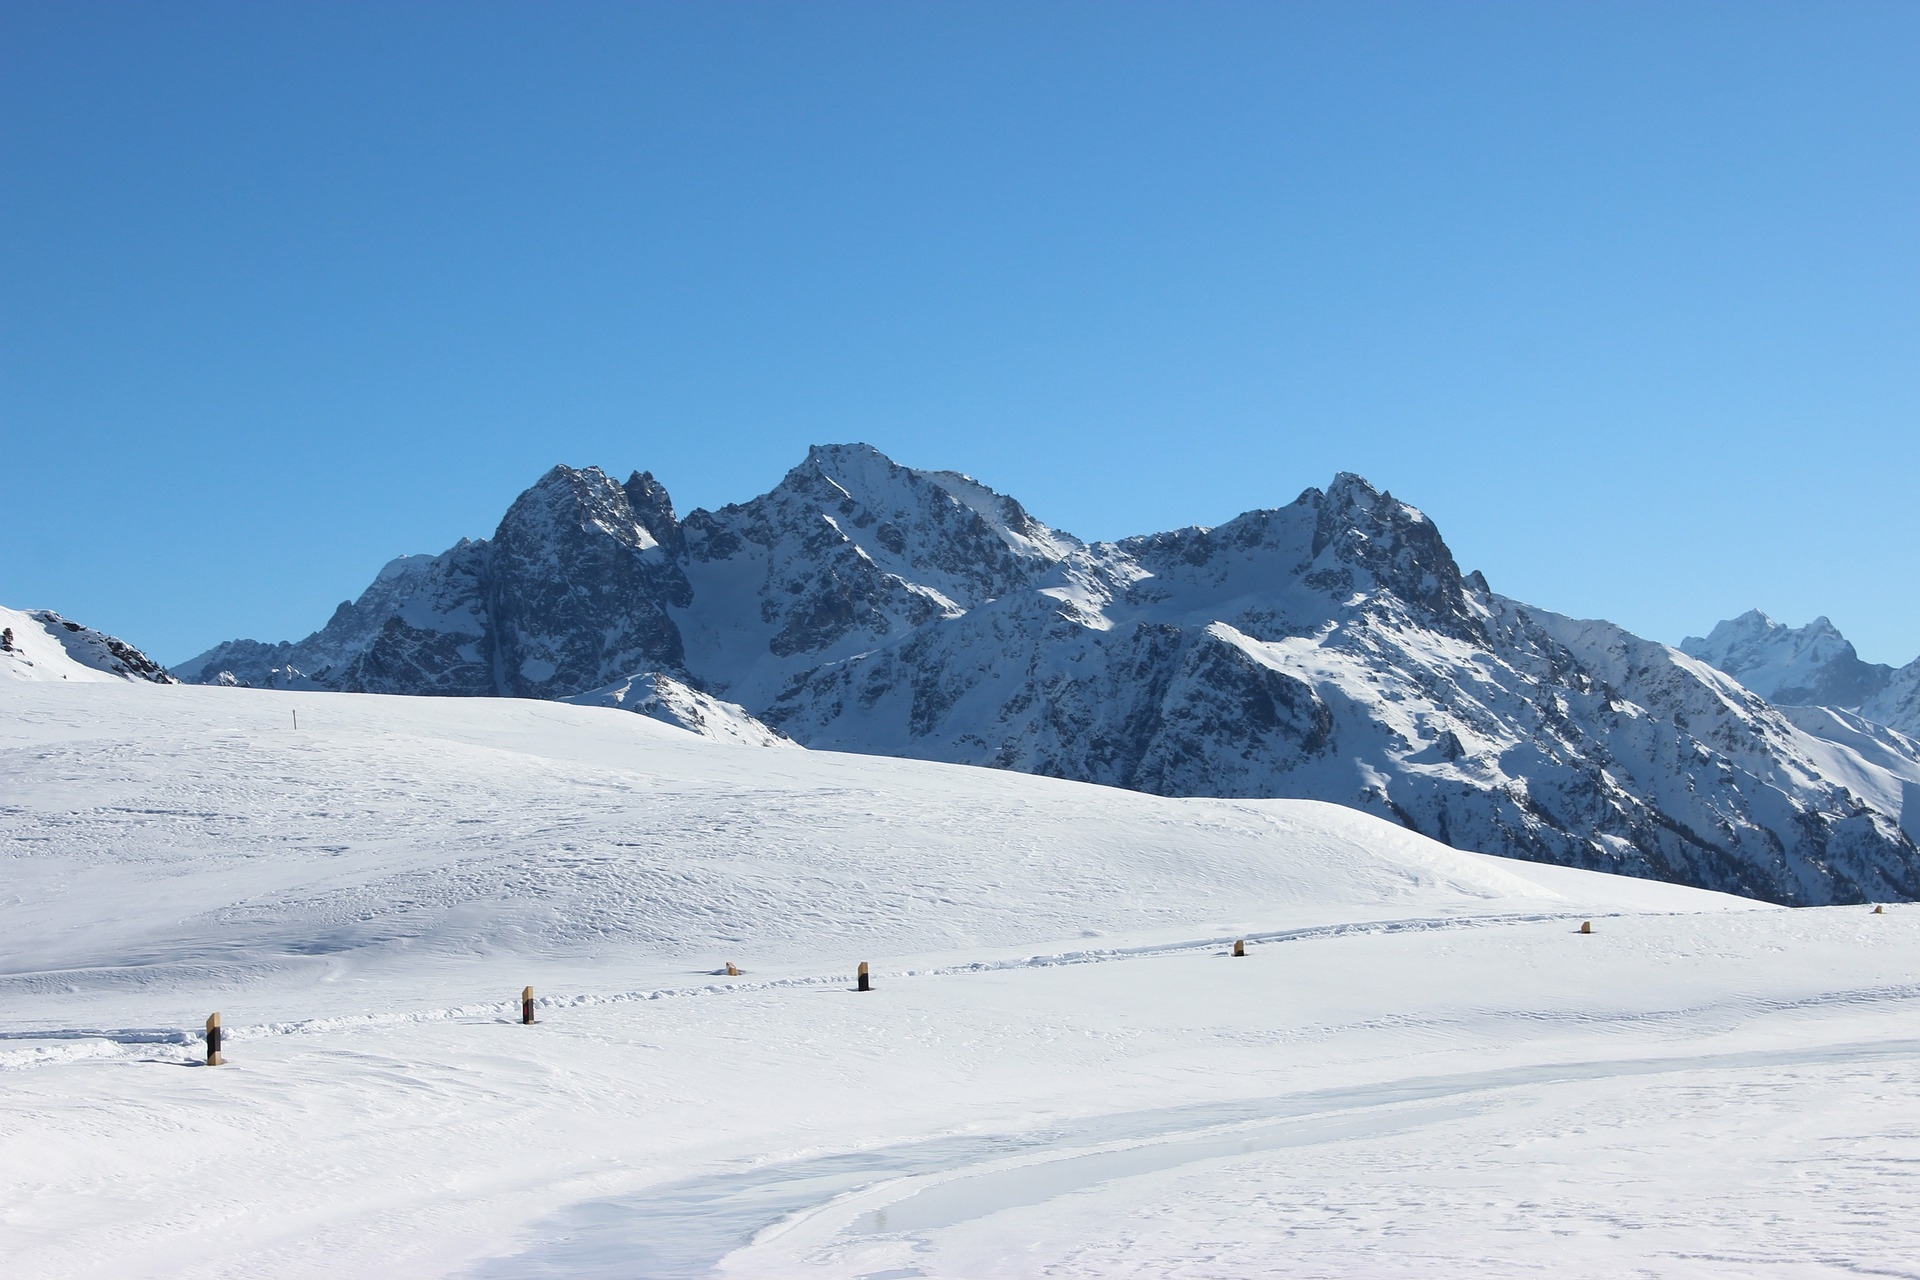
[
  {"x": 39, "y": 644},
  {"x": 671, "y": 702},
  {"x": 1060, "y": 1069},
  {"x": 212, "y": 840},
  {"x": 1331, "y": 649}
]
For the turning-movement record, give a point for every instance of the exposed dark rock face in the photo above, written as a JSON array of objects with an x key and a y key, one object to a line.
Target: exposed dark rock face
[
  {"x": 1330, "y": 649},
  {"x": 579, "y": 588}
]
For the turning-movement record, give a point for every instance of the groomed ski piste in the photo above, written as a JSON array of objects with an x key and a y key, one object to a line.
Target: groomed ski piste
[{"x": 1420, "y": 1067}]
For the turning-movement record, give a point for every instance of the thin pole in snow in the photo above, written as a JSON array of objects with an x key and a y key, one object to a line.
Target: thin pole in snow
[
  {"x": 213, "y": 1040},
  {"x": 296, "y": 720},
  {"x": 526, "y": 1007}
]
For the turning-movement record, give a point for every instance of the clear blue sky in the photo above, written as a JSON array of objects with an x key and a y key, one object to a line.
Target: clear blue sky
[{"x": 1626, "y": 296}]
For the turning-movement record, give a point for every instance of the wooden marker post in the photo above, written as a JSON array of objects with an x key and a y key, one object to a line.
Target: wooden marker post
[
  {"x": 733, "y": 970},
  {"x": 526, "y": 1007},
  {"x": 213, "y": 1040},
  {"x": 1239, "y": 947},
  {"x": 1586, "y": 926},
  {"x": 866, "y": 983}
]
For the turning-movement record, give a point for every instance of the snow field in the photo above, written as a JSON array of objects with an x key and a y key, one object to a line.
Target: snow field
[{"x": 1420, "y": 1065}]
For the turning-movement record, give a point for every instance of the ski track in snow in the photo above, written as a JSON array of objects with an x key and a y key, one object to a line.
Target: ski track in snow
[
  {"x": 102, "y": 1043},
  {"x": 1058, "y": 1055},
  {"x": 687, "y": 1230}
]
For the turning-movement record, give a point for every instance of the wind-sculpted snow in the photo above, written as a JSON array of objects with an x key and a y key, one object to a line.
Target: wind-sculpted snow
[{"x": 1330, "y": 649}]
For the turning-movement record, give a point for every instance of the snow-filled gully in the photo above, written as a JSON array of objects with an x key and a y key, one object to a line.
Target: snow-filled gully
[
  {"x": 688, "y": 1228},
  {"x": 45, "y": 1047}
]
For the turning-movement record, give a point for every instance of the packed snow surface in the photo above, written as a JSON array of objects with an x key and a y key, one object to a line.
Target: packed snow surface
[{"x": 1421, "y": 1066}]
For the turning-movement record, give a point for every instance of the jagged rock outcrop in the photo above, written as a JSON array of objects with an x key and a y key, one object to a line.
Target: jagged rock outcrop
[
  {"x": 580, "y": 588},
  {"x": 1330, "y": 649}
]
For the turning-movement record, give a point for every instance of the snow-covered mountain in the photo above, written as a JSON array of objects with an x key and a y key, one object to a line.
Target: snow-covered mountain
[
  {"x": 1330, "y": 649},
  {"x": 1898, "y": 704},
  {"x": 1811, "y": 666},
  {"x": 39, "y": 644}
]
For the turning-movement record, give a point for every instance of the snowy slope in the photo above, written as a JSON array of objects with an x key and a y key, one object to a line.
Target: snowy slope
[
  {"x": 422, "y": 832},
  {"x": 1898, "y": 705},
  {"x": 39, "y": 644},
  {"x": 1330, "y": 649},
  {"x": 1421, "y": 1067},
  {"x": 1878, "y": 764}
]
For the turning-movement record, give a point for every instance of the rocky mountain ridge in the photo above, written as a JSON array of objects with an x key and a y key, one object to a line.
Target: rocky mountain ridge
[
  {"x": 39, "y": 644},
  {"x": 1811, "y": 666},
  {"x": 1329, "y": 649}
]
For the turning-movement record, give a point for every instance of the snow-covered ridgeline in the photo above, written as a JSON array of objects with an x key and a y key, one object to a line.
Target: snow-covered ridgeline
[
  {"x": 39, "y": 644},
  {"x": 1811, "y": 666},
  {"x": 1331, "y": 649}
]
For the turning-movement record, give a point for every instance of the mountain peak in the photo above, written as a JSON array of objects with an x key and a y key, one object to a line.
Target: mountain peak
[
  {"x": 653, "y": 509},
  {"x": 856, "y": 471},
  {"x": 573, "y": 497},
  {"x": 1349, "y": 488},
  {"x": 1363, "y": 528},
  {"x": 855, "y": 451},
  {"x": 1809, "y": 665}
]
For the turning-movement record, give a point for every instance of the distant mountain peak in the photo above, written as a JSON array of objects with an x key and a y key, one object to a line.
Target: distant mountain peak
[{"x": 1813, "y": 665}]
